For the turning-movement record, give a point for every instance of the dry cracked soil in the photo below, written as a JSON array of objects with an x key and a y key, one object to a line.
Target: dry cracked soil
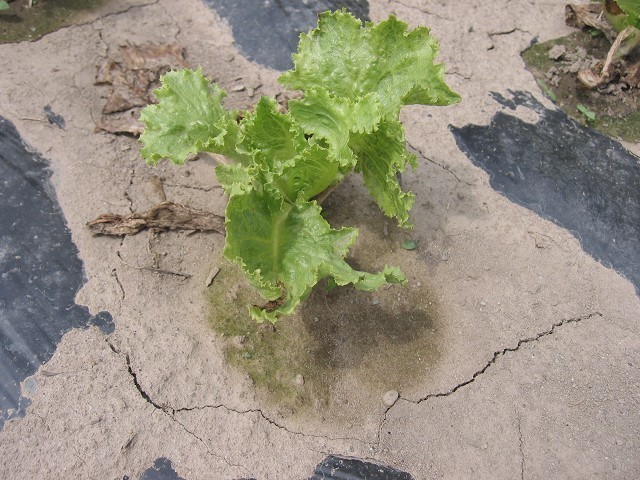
[{"x": 514, "y": 348}]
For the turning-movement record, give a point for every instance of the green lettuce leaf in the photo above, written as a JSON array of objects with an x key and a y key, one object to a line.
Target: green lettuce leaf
[
  {"x": 381, "y": 155},
  {"x": 632, "y": 9},
  {"x": 272, "y": 138},
  {"x": 334, "y": 119},
  {"x": 188, "y": 119},
  {"x": 313, "y": 171},
  {"x": 285, "y": 249},
  {"x": 235, "y": 179},
  {"x": 307, "y": 175},
  {"x": 385, "y": 60}
]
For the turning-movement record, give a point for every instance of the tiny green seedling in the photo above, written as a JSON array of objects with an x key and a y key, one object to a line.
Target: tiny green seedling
[
  {"x": 589, "y": 114},
  {"x": 354, "y": 80},
  {"x": 547, "y": 91}
]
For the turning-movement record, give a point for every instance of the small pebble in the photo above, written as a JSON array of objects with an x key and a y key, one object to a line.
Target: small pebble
[
  {"x": 299, "y": 380},
  {"x": 483, "y": 304},
  {"x": 390, "y": 398}
]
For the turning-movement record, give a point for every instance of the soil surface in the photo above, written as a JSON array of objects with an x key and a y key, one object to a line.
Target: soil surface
[{"x": 513, "y": 352}]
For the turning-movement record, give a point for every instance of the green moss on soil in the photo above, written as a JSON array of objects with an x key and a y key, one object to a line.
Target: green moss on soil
[
  {"x": 20, "y": 22},
  {"x": 616, "y": 115}
]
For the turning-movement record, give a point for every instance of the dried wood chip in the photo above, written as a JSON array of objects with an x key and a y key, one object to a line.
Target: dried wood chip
[{"x": 214, "y": 272}]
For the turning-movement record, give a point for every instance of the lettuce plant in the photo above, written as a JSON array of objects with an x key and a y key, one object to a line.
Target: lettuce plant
[{"x": 354, "y": 80}]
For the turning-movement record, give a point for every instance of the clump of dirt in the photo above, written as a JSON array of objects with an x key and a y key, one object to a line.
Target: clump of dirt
[
  {"x": 612, "y": 108},
  {"x": 22, "y": 21}
]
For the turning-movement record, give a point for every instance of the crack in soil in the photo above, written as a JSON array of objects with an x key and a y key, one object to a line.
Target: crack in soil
[
  {"x": 194, "y": 435},
  {"x": 269, "y": 420},
  {"x": 462, "y": 75},
  {"x": 503, "y": 352},
  {"x": 419, "y": 152},
  {"x": 95, "y": 20},
  {"x": 132, "y": 173},
  {"x": 159, "y": 271},
  {"x": 504, "y": 32},
  {"x": 521, "y": 447},
  {"x": 493, "y": 360},
  {"x": 141, "y": 391},
  {"x": 168, "y": 411},
  {"x": 175, "y": 24},
  {"x": 383, "y": 421},
  {"x": 193, "y": 187},
  {"x": 114, "y": 273},
  {"x": 127, "y": 10},
  {"x": 171, "y": 413}
]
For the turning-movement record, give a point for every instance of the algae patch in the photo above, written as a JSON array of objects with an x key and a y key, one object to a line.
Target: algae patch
[
  {"x": 555, "y": 64},
  {"x": 21, "y": 22}
]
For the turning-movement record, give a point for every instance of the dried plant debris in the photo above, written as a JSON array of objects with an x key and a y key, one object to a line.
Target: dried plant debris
[
  {"x": 164, "y": 216},
  {"x": 560, "y": 67},
  {"x": 609, "y": 19},
  {"x": 131, "y": 79},
  {"x": 589, "y": 15}
]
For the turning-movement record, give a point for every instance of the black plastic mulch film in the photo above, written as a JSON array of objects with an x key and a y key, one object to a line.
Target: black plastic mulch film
[
  {"x": 267, "y": 31},
  {"x": 570, "y": 174},
  {"x": 40, "y": 272}
]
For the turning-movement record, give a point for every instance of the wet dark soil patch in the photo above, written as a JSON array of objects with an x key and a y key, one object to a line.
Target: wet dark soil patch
[
  {"x": 555, "y": 65},
  {"x": 344, "y": 348},
  {"x": 21, "y": 22}
]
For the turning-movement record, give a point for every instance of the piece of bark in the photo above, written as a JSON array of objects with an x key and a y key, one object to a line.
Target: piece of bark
[{"x": 164, "y": 216}]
